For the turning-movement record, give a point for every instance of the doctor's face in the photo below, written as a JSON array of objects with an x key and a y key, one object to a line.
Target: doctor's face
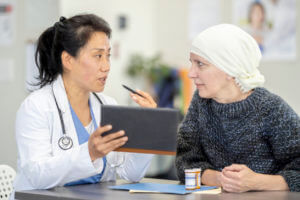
[
  {"x": 91, "y": 66},
  {"x": 210, "y": 81}
]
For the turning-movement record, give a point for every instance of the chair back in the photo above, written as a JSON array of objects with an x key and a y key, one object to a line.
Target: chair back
[{"x": 7, "y": 176}]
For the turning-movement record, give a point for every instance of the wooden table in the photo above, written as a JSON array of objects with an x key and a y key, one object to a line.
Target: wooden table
[{"x": 101, "y": 191}]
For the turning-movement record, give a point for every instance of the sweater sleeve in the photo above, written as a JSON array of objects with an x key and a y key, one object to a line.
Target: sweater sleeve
[
  {"x": 284, "y": 139},
  {"x": 189, "y": 151}
]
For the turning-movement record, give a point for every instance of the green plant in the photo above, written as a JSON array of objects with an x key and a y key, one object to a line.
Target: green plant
[{"x": 152, "y": 68}]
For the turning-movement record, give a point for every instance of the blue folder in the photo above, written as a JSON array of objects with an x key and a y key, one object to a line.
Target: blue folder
[{"x": 161, "y": 188}]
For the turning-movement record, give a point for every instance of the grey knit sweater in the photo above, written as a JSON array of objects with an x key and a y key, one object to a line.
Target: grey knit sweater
[{"x": 262, "y": 132}]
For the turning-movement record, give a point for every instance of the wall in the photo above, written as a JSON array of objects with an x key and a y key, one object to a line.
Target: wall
[
  {"x": 12, "y": 92},
  {"x": 32, "y": 17}
]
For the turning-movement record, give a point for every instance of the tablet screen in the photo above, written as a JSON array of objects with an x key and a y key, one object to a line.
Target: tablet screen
[{"x": 149, "y": 130}]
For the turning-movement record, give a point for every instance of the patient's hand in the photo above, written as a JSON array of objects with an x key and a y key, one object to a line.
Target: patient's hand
[
  {"x": 145, "y": 101},
  {"x": 238, "y": 178}
]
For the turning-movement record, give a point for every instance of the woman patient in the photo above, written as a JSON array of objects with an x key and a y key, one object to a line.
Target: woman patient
[{"x": 241, "y": 135}]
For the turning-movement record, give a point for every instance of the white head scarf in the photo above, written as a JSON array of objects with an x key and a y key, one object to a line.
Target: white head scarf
[{"x": 233, "y": 51}]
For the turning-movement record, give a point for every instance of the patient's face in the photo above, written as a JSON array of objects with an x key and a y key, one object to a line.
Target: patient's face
[{"x": 209, "y": 80}]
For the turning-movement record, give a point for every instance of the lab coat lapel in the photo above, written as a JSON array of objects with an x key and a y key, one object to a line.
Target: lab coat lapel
[
  {"x": 96, "y": 106},
  {"x": 63, "y": 103}
]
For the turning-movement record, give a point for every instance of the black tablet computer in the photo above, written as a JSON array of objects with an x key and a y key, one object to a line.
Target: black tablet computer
[{"x": 149, "y": 130}]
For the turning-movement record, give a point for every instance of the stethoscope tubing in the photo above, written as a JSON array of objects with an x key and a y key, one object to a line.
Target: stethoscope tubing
[{"x": 65, "y": 142}]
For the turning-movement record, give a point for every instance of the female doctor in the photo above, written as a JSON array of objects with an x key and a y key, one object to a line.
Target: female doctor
[{"x": 58, "y": 137}]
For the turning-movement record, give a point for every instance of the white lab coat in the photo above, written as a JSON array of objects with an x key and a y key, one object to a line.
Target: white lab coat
[{"x": 42, "y": 164}]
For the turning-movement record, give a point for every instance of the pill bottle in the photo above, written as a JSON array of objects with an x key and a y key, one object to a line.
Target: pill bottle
[{"x": 190, "y": 179}]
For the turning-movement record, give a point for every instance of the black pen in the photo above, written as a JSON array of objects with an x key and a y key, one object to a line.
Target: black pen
[{"x": 133, "y": 91}]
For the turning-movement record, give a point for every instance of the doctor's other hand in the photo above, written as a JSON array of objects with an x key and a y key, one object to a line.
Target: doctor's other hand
[
  {"x": 99, "y": 145},
  {"x": 145, "y": 101},
  {"x": 238, "y": 178}
]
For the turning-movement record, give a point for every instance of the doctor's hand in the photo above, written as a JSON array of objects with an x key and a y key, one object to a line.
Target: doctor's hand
[
  {"x": 238, "y": 178},
  {"x": 145, "y": 101},
  {"x": 99, "y": 145}
]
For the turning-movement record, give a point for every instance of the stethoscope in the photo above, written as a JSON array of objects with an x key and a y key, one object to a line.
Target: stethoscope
[{"x": 66, "y": 142}]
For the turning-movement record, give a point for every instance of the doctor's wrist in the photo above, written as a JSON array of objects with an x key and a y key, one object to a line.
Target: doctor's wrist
[{"x": 91, "y": 153}]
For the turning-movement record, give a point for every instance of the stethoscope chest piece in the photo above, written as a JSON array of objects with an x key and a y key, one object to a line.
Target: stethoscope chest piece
[{"x": 65, "y": 142}]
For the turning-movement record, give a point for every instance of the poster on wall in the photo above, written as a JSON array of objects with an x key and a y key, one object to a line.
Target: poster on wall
[
  {"x": 201, "y": 15},
  {"x": 7, "y": 10},
  {"x": 272, "y": 23}
]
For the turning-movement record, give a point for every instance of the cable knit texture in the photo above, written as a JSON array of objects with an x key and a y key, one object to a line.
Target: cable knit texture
[{"x": 262, "y": 132}]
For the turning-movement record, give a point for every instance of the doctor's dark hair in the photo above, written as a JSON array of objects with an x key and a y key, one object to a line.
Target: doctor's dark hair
[{"x": 68, "y": 35}]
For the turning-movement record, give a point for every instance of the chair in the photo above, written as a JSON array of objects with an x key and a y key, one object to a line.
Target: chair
[{"x": 7, "y": 176}]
